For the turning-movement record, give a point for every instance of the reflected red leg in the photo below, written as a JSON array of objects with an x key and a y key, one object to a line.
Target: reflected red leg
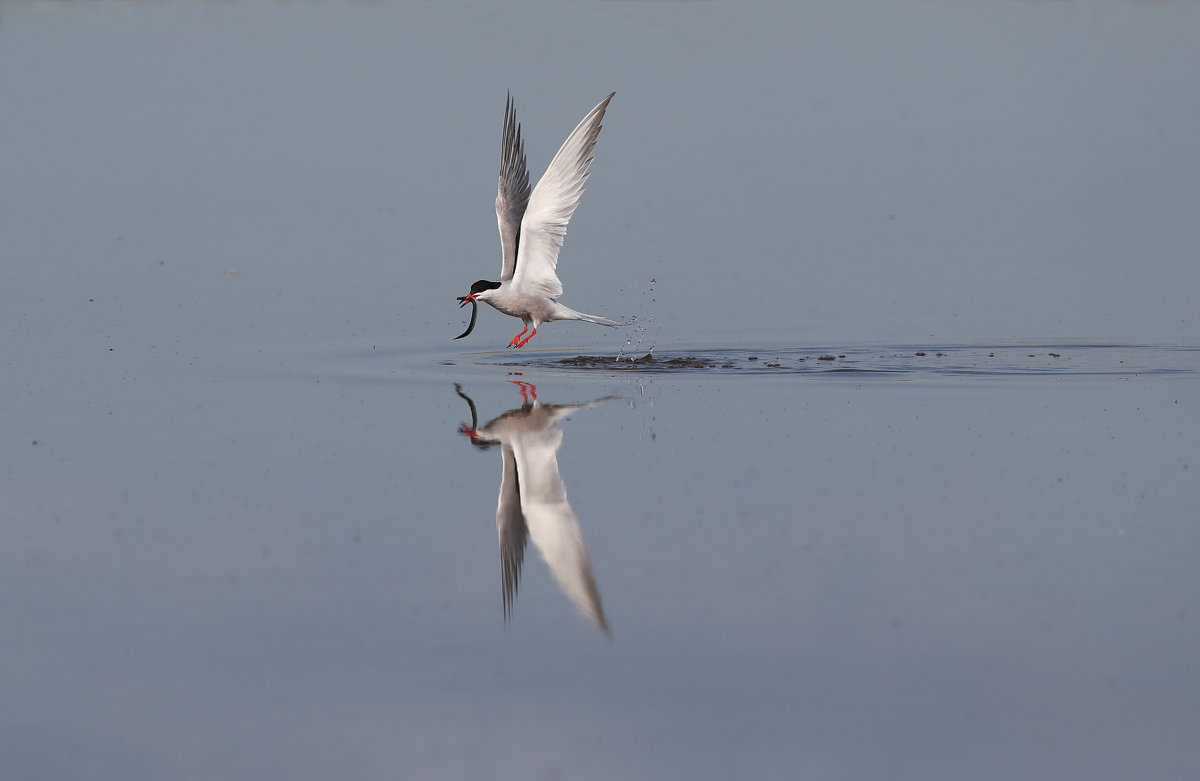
[{"x": 528, "y": 390}]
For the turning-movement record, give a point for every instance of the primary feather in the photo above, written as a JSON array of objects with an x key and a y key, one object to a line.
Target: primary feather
[{"x": 512, "y": 191}]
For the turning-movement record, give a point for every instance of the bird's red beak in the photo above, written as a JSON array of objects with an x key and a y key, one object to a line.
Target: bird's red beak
[{"x": 468, "y": 298}]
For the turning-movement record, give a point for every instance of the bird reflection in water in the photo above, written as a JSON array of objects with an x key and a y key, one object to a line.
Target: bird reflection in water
[{"x": 533, "y": 502}]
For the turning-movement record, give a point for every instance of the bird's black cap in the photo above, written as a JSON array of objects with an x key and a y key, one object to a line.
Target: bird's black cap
[{"x": 483, "y": 285}]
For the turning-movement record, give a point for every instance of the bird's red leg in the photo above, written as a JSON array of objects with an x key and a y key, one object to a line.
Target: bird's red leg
[
  {"x": 527, "y": 338},
  {"x": 516, "y": 340}
]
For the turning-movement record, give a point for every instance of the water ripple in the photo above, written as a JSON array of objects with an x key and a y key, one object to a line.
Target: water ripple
[{"x": 1000, "y": 359}]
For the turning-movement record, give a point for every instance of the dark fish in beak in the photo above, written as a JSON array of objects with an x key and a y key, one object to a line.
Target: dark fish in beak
[{"x": 474, "y": 313}]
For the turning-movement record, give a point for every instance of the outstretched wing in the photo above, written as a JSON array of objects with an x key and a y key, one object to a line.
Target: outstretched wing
[
  {"x": 552, "y": 523},
  {"x": 554, "y": 199},
  {"x": 512, "y": 192}
]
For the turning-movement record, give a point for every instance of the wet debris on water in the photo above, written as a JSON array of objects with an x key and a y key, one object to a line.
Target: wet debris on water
[
  {"x": 607, "y": 362},
  {"x": 1054, "y": 355},
  {"x": 920, "y": 354},
  {"x": 827, "y": 358},
  {"x": 689, "y": 363},
  {"x": 752, "y": 358},
  {"x": 595, "y": 360}
]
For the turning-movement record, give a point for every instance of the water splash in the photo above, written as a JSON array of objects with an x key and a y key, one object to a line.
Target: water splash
[{"x": 639, "y": 334}]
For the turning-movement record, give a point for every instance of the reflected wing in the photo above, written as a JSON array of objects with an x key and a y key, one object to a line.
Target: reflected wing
[
  {"x": 552, "y": 523},
  {"x": 551, "y": 205},
  {"x": 512, "y": 192},
  {"x": 510, "y": 525}
]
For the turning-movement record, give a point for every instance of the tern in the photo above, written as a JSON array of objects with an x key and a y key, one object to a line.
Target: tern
[
  {"x": 533, "y": 501},
  {"x": 533, "y": 226}
]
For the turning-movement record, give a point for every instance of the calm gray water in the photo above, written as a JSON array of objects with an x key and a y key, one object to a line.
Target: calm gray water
[{"x": 907, "y": 488}]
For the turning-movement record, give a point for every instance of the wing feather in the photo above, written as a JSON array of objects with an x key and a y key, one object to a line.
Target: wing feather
[
  {"x": 512, "y": 191},
  {"x": 553, "y": 201},
  {"x": 513, "y": 532},
  {"x": 552, "y": 524}
]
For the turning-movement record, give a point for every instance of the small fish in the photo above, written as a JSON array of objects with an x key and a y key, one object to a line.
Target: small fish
[{"x": 474, "y": 314}]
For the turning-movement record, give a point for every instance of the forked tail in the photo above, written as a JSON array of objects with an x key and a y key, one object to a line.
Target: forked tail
[
  {"x": 566, "y": 313},
  {"x": 598, "y": 320}
]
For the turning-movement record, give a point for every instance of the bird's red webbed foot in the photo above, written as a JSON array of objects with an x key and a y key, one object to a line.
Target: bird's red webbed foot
[
  {"x": 516, "y": 340},
  {"x": 528, "y": 390},
  {"x": 525, "y": 341},
  {"x": 463, "y": 428}
]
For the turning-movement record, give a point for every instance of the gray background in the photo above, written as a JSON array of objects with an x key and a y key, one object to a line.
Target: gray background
[{"x": 241, "y": 538}]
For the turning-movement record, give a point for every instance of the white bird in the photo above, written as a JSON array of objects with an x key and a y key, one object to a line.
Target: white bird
[
  {"x": 533, "y": 226},
  {"x": 533, "y": 501}
]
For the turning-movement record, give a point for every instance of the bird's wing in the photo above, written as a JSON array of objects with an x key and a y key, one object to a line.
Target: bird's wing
[
  {"x": 512, "y": 192},
  {"x": 552, "y": 523},
  {"x": 551, "y": 205},
  {"x": 510, "y": 525}
]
